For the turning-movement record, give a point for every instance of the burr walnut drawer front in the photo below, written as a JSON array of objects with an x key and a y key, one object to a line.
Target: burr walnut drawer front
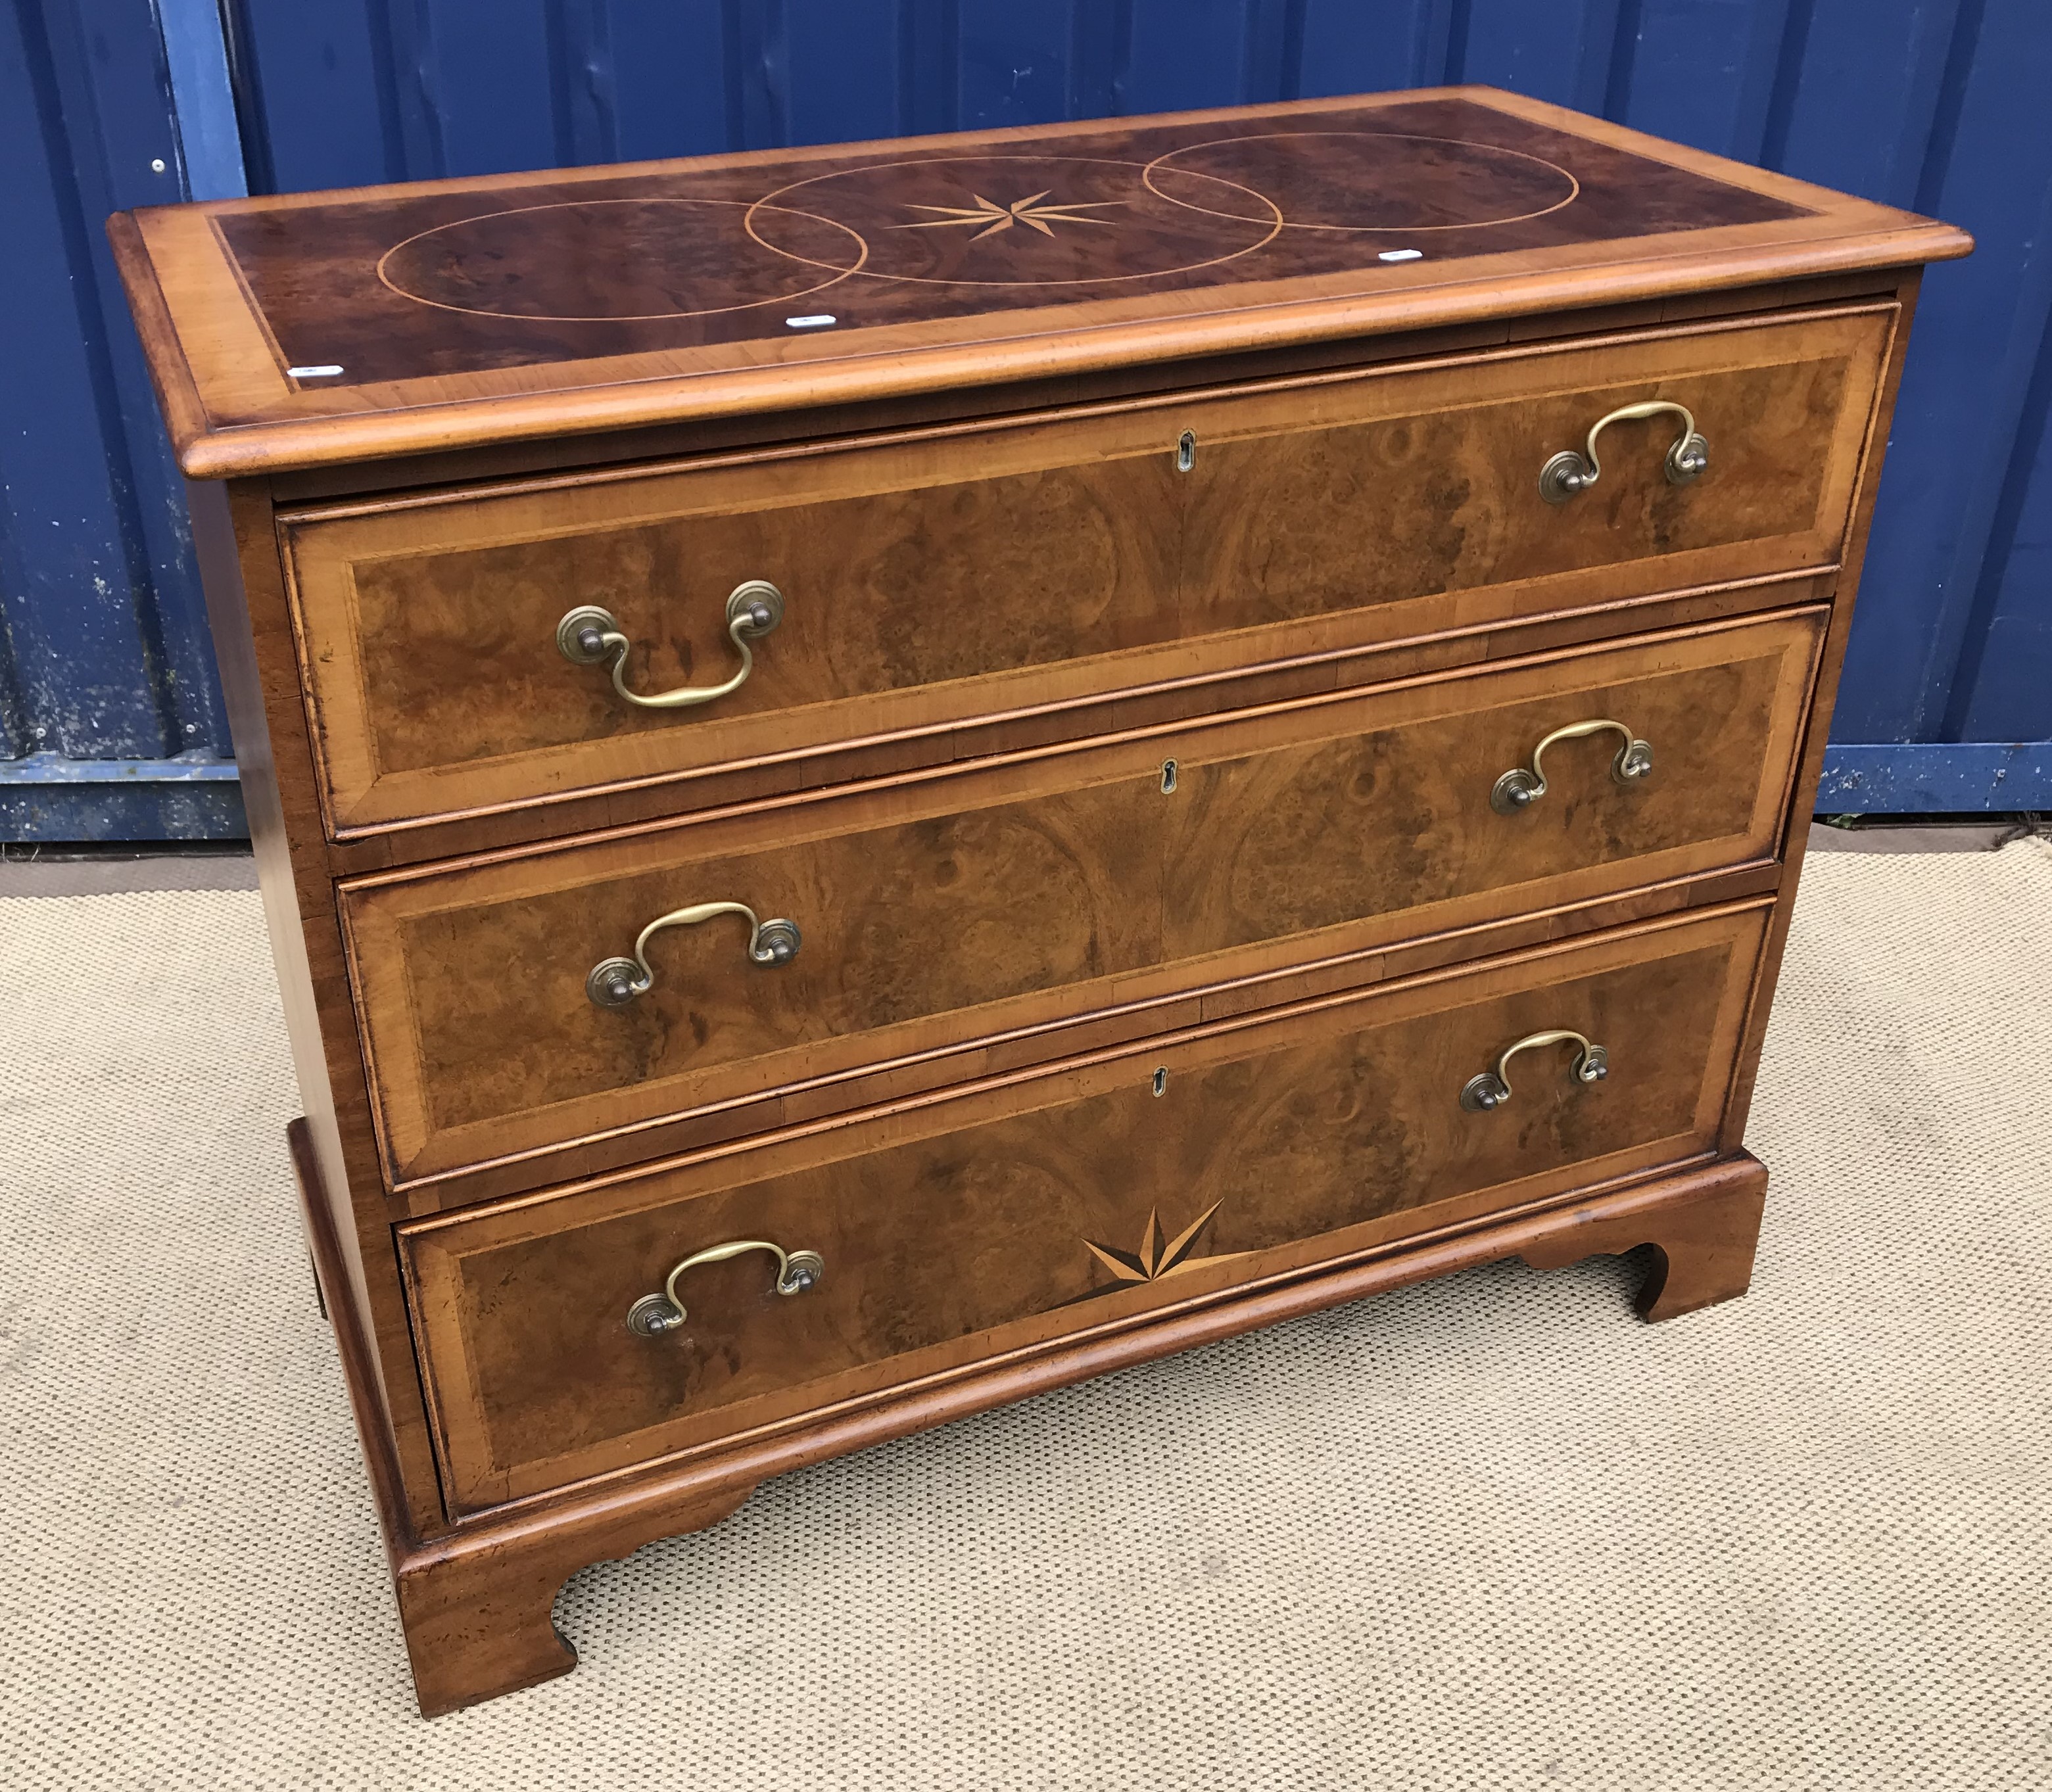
[
  {"x": 583, "y": 1331},
  {"x": 489, "y": 648},
  {"x": 664, "y": 987}
]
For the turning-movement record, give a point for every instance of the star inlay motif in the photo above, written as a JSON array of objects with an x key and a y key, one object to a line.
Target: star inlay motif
[
  {"x": 1155, "y": 1260},
  {"x": 994, "y": 218}
]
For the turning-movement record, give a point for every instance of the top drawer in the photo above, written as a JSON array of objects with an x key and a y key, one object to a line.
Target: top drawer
[{"x": 942, "y": 577}]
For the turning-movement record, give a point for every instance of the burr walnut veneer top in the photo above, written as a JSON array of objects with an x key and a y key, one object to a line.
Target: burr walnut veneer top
[{"x": 304, "y": 330}]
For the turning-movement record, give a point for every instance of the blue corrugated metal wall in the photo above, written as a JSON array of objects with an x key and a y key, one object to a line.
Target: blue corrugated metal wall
[
  {"x": 1934, "y": 104},
  {"x": 110, "y": 720}
]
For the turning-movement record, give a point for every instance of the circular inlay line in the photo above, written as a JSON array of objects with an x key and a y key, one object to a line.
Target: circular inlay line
[
  {"x": 1274, "y": 228},
  {"x": 748, "y": 208},
  {"x": 1169, "y": 156}
]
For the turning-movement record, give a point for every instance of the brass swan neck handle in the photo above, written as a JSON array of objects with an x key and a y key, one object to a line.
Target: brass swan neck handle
[
  {"x": 1491, "y": 1089},
  {"x": 589, "y": 635},
  {"x": 654, "y": 1314},
  {"x": 1519, "y": 788},
  {"x": 613, "y": 983},
  {"x": 1568, "y": 472}
]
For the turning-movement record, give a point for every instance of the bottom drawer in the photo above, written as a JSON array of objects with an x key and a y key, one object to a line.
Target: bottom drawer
[{"x": 1007, "y": 1217}]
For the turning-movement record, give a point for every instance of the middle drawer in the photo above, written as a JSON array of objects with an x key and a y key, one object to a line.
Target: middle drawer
[{"x": 520, "y": 1004}]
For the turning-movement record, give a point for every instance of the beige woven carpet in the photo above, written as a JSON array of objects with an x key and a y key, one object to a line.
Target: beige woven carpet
[{"x": 1491, "y": 1533}]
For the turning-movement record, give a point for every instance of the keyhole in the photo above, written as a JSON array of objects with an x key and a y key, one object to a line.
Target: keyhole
[
  {"x": 1186, "y": 452},
  {"x": 1168, "y": 777},
  {"x": 1161, "y": 1082}
]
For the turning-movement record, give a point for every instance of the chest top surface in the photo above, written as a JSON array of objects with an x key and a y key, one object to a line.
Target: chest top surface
[{"x": 302, "y": 329}]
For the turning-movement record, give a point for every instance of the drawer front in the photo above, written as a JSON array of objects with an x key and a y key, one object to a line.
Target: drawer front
[
  {"x": 933, "y": 581},
  {"x": 1004, "y": 1219},
  {"x": 937, "y": 915}
]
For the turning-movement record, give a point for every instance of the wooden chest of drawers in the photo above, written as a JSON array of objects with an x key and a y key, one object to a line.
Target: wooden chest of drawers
[{"x": 886, "y": 777}]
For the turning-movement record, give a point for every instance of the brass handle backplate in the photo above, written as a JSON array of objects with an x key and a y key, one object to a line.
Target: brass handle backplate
[
  {"x": 1492, "y": 1087},
  {"x": 613, "y": 983},
  {"x": 588, "y": 635},
  {"x": 654, "y": 1314},
  {"x": 1569, "y": 472},
  {"x": 1520, "y": 788}
]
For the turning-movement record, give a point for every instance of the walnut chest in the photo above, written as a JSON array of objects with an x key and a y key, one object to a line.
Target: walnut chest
[{"x": 888, "y": 776}]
